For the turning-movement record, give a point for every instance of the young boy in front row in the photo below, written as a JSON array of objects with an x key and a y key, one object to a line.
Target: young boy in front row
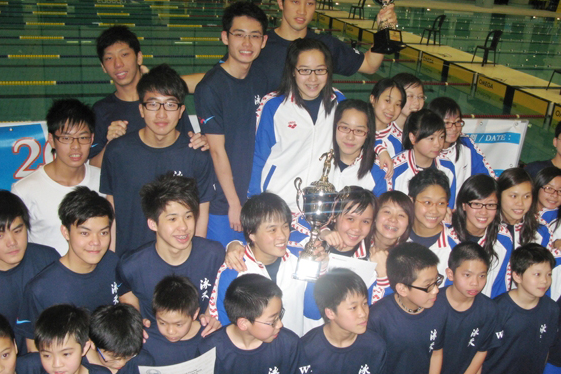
[
  {"x": 266, "y": 222},
  {"x": 178, "y": 333},
  {"x": 8, "y": 348},
  {"x": 343, "y": 344},
  {"x": 471, "y": 316},
  {"x": 412, "y": 328},
  {"x": 528, "y": 322},
  {"x": 85, "y": 275},
  {"x": 255, "y": 341},
  {"x": 61, "y": 334},
  {"x": 116, "y": 334}
]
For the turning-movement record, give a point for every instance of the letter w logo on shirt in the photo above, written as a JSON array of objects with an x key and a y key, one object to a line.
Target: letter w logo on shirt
[
  {"x": 500, "y": 334},
  {"x": 304, "y": 369}
]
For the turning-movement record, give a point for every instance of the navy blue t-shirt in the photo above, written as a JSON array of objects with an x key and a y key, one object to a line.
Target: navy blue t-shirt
[
  {"x": 57, "y": 284},
  {"x": 366, "y": 355},
  {"x": 346, "y": 61},
  {"x": 227, "y": 106},
  {"x": 144, "y": 358},
  {"x": 427, "y": 241},
  {"x": 467, "y": 332},
  {"x": 128, "y": 164},
  {"x": 555, "y": 351},
  {"x": 31, "y": 364},
  {"x": 141, "y": 270},
  {"x": 111, "y": 108},
  {"x": 13, "y": 281},
  {"x": 533, "y": 168},
  {"x": 171, "y": 353},
  {"x": 410, "y": 338},
  {"x": 284, "y": 355},
  {"x": 523, "y": 337}
]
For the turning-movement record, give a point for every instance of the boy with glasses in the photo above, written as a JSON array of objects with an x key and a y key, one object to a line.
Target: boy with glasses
[
  {"x": 70, "y": 124},
  {"x": 255, "y": 341},
  {"x": 139, "y": 157},
  {"x": 412, "y": 328},
  {"x": 226, "y": 101}
]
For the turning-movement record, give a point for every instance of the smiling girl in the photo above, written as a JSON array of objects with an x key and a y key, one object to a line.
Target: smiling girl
[
  {"x": 477, "y": 219},
  {"x": 294, "y": 125},
  {"x": 353, "y": 149},
  {"x": 423, "y": 139}
]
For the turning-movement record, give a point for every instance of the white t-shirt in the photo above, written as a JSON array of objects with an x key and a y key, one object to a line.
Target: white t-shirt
[{"x": 42, "y": 196}]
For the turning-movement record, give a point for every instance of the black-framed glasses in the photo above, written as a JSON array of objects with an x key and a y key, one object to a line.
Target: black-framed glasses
[
  {"x": 65, "y": 139},
  {"x": 358, "y": 132},
  {"x": 114, "y": 359},
  {"x": 169, "y": 106},
  {"x": 550, "y": 190},
  {"x": 458, "y": 123},
  {"x": 275, "y": 321},
  {"x": 431, "y": 286},
  {"x": 242, "y": 36},
  {"x": 476, "y": 205},
  {"x": 322, "y": 71}
]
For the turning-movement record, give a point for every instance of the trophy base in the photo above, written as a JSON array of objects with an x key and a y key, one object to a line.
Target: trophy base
[
  {"x": 307, "y": 270},
  {"x": 387, "y": 42}
]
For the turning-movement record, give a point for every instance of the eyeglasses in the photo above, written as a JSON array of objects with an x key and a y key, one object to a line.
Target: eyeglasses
[
  {"x": 430, "y": 204},
  {"x": 458, "y": 123},
  {"x": 552, "y": 191},
  {"x": 490, "y": 206},
  {"x": 420, "y": 97},
  {"x": 242, "y": 36},
  {"x": 169, "y": 106},
  {"x": 65, "y": 139},
  {"x": 345, "y": 130},
  {"x": 431, "y": 286},
  {"x": 275, "y": 321},
  {"x": 112, "y": 361},
  {"x": 310, "y": 71}
]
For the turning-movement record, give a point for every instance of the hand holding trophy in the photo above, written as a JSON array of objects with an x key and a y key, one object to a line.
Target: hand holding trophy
[
  {"x": 388, "y": 39},
  {"x": 318, "y": 201}
]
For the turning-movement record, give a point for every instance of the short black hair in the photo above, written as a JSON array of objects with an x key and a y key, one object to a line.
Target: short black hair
[
  {"x": 558, "y": 129},
  {"x": 262, "y": 208},
  {"x": 384, "y": 84},
  {"x": 175, "y": 293},
  {"x": 335, "y": 286},
  {"x": 163, "y": 80},
  {"x": 405, "y": 262},
  {"x": 12, "y": 207},
  {"x": 116, "y": 34},
  {"x": 168, "y": 188},
  {"x": 407, "y": 80},
  {"x": 467, "y": 251},
  {"x": 6, "y": 330},
  {"x": 401, "y": 199},
  {"x": 543, "y": 177},
  {"x": 65, "y": 114},
  {"x": 240, "y": 9},
  {"x": 248, "y": 295},
  {"x": 81, "y": 204},
  {"x": 422, "y": 124},
  {"x": 530, "y": 254},
  {"x": 288, "y": 86},
  {"x": 117, "y": 329},
  {"x": 426, "y": 178},
  {"x": 59, "y": 322}
]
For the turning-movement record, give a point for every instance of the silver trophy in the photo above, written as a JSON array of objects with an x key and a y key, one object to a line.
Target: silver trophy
[
  {"x": 318, "y": 201},
  {"x": 388, "y": 39}
]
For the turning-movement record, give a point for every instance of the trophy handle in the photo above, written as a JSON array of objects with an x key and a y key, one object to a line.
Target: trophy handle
[{"x": 298, "y": 184}]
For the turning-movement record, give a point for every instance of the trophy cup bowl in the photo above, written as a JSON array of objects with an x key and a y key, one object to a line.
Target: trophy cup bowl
[
  {"x": 388, "y": 39},
  {"x": 318, "y": 200}
]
